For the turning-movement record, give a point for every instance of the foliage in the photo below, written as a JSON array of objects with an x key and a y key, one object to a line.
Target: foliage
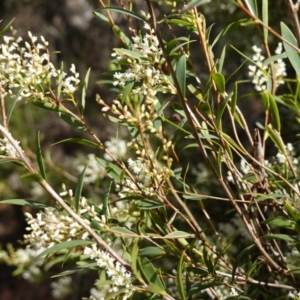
[{"x": 176, "y": 205}]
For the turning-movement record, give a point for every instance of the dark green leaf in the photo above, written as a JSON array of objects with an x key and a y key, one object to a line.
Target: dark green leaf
[
  {"x": 78, "y": 189},
  {"x": 84, "y": 89},
  {"x": 126, "y": 12},
  {"x": 24, "y": 202},
  {"x": 279, "y": 236},
  {"x": 74, "y": 122},
  {"x": 79, "y": 141},
  {"x": 39, "y": 156},
  {"x": 47, "y": 105},
  {"x": 241, "y": 256},
  {"x": 152, "y": 251},
  {"x": 181, "y": 74},
  {"x": 221, "y": 110},
  {"x": 179, "y": 276}
]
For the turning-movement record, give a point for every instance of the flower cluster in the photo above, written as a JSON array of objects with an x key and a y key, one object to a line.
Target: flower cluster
[
  {"x": 259, "y": 71},
  {"x": 145, "y": 58},
  {"x": 93, "y": 171},
  {"x": 115, "y": 271},
  {"x": 25, "y": 67},
  {"x": 143, "y": 183},
  {"x": 295, "y": 295},
  {"x": 25, "y": 261},
  {"x": 52, "y": 226},
  {"x": 6, "y": 148},
  {"x": 62, "y": 287},
  {"x": 116, "y": 147}
]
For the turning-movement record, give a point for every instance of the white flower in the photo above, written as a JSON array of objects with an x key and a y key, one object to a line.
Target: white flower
[
  {"x": 116, "y": 147},
  {"x": 93, "y": 171},
  {"x": 62, "y": 287},
  {"x": 259, "y": 72}
]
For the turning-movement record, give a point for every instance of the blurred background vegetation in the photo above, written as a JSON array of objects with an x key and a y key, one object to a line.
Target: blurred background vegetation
[{"x": 76, "y": 36}]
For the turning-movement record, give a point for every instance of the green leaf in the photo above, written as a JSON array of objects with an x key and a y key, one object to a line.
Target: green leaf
[
  {"x": 270, "y": 103},
  {"x": 64, "y": 245},
  {"x": 179, "y": 277},
  {"x": 39, "y": 156},
  {"x": 195, "y": 3},
  {"x": 241, "y": 256},
  {"x": 252, "y": 5},
  {"x": 101, "y": 17},
  {"x": 151, "y": 251},
  {"x": 221, "y": 62},
  {"x": 181, "y": 74},
  {"x": 276, "y": 138},
  {"x": 112, "y": 170},
  {"x": 279, "y": 222},
  {"x": 219, "y": 80},
  {"x": 129, "y": 53},
  {"x": 78, "y": 189},
  {"x": 123, "y": 231},
  {"x": 208, "y": 261},
  {"x": 106, "y": 201},
  {"x": 279, "y": 236},
  {"x": 80, "y": 141},
  {"x": 74, "y": 122},
  {"x": 265, "y": 19},
  {"x": 12, "y": 105},
  {"x": 24, "y": 202},
  {"x": 126, "y": 12},
  {"x": 147, "y": 204},
  {"x": 221, "y": 110},
  {"x": 47, "y": 105},
  {"x": 291, "y": 52},
  {"x": 178, "y": 235},
  {"x": 127, "y": 90},
  {"x": 33, "y": 177},
  {"x": 151, "y": 276},
  {"x": 76, "y": 269},
  {"x": 232, "y": 142},
  {"x": 134, "y": 260},
  {"x": 84, "y": 89},
  {"x": 7, "y": 26}
]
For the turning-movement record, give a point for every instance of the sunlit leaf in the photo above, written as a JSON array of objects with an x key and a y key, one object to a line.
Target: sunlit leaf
[
  {"x": 181, "y": 74},
  {"x": 291, "y": 52},
  {"x": 64, "y": 245},
  {"x": 219, "y": 81},
  {"x": 265, "y": 19}
]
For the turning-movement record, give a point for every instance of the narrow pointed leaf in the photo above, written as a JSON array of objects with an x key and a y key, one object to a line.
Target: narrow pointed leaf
[
  {"x": 24, "y": 202},
  {"x": 39, "y": 156},
  {"x": 64, "y": 245},
  {"x": 291, "y": 52},
  {"x": 84, "y": 89},
  {"x": 181, "y": 74},
  {"x": 179, "y": 277},
  {"x": 78, "y": 189}
]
